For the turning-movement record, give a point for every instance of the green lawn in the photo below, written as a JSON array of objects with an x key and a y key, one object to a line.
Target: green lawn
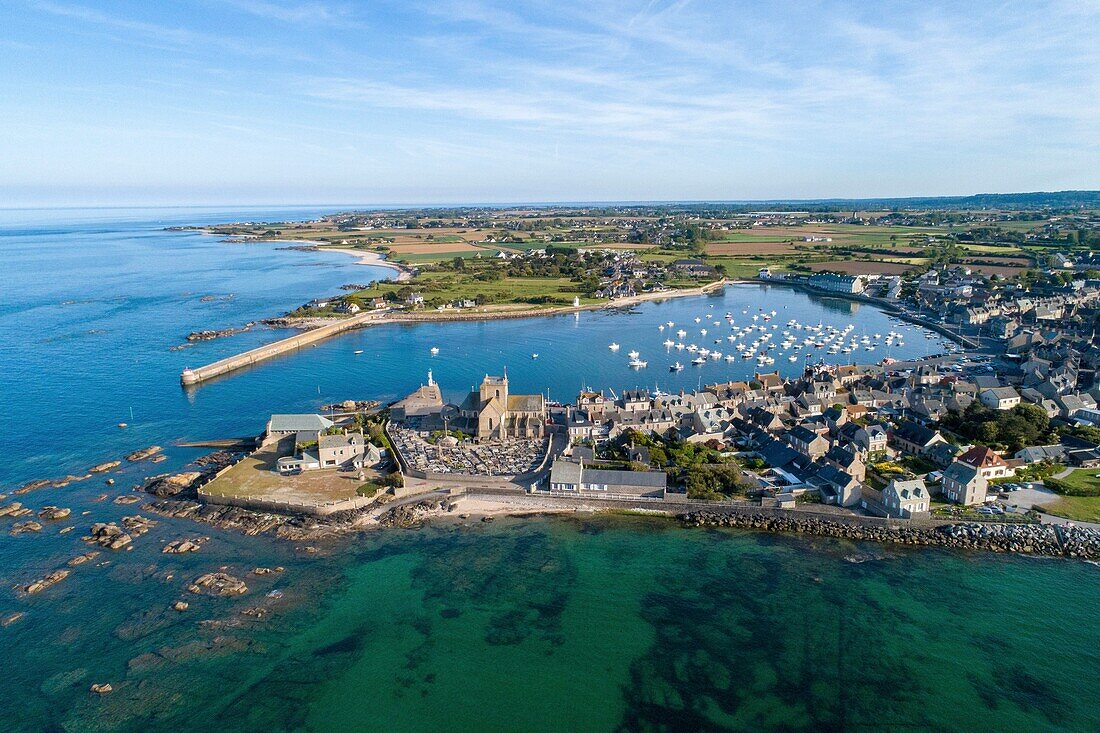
[
  {"x": 1080, "y": 508},
  {"x": 454, "y": 286},
  {"x": 1077, "y": 508}
]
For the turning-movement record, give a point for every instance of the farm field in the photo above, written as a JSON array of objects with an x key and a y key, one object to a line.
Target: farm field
[{"x": 862, "y": 267}]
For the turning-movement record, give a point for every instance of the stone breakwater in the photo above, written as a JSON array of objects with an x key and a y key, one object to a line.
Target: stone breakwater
[{"x": 1027, "y": 539}]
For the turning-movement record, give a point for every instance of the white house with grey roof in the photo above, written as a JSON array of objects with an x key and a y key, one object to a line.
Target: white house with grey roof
[
  {"x": 284, "y": 425},
  {"x": 906, "y": 498},
  {"x": 573, "y": 477}
]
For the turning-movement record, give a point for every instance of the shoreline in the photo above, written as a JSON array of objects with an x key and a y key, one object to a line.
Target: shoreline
[
  {"x": 372, "y": 259},
  {"x": 335, "y": 326},
  {"x": 1026, "y": 540}
]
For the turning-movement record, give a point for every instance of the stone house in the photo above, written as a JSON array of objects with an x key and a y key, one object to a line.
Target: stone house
[{"x": 963, "y": 484}]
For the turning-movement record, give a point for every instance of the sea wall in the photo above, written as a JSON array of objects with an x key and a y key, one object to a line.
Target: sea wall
[
  {"x": 263, "y": 353},
  {"x": 1028, "y": 539}
]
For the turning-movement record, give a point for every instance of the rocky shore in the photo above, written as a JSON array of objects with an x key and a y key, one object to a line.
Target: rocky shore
[
  {"x": 1027, "y": 539},
  {"x": 210, "y": 335}
]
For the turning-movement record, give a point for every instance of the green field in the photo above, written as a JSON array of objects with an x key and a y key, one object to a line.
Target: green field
[
  {"x": 450, "y": 286},
  {"x": 1079, "y": 508}
]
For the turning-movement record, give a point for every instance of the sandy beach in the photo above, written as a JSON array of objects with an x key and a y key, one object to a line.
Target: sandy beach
[{"x": 373, "y": 259}]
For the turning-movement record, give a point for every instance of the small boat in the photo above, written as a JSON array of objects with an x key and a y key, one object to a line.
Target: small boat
[
  {"x": 677, "y": 367},
  {"x": 731, "y": 357},
  {"x": 434, "y": 350},
  {"x": 637, "y": 363},
  {"x": 669, "y": 343},
  {"x": 534, "y": 356},
  {"x": 699, "y": 360},
  {"x": 670, "y": 324},
  {"x": 357, "y": 351},
  {"x": 633, "y": 354},
  {"x": 792, "y": 358},
  {"x": 613, "y": 346}
]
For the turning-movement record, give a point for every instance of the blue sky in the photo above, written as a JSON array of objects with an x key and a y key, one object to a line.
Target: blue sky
[{"x": 331, "y": 101}]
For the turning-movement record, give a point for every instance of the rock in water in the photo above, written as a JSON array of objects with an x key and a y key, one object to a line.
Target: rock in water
[
  {"x": 104, "y": 467},
  {"x": 144, "y": 453},
  {"x": 102, "y": 689},
  {"x": 166, "y": 486},
  {"x": 53, "y": 513},
  {"x": 51, "y": 579},
  {"x": 218, "y": 584}
]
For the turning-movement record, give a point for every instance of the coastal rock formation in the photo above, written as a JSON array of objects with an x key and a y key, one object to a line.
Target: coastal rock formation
[
  {"x": 210, "y": 335},
  {"x": 127, "y": 499},
  {"x": 170, "y": 485},
  {"x": 143, "y": 454},
  {"x": 411, "y": 515},
  {"x": 24, "y": 527},
  {"x": 53, "y": 513},
  {"x": 12, "y": 509},
  {"x": 214, "y": 461},
  {"x": 102, "y": 689},
  {"x": 1031, "y": 539},
  {"x": 12, "y": 618},
  {"x": 81, "y": 559},
  {"x": 104, "y": 467},
  {"x": 180, "y": 606},
  {"x": 49, "y": 580},
  {"x": 218, "y": 584},
  {"x": 220, "y": 516},
  {"x": 177, "y": 547},
  {"x": 113, "y": 537}
]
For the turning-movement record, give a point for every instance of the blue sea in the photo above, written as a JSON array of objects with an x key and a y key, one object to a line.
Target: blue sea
[{"x": 598, "y": 624}]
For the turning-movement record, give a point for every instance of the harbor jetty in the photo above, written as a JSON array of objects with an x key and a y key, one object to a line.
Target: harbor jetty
[
  {"x": 190, "y": 377},
  {"x": 229, "y": 364}
]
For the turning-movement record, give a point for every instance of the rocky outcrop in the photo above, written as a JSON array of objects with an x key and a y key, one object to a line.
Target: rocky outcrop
[
  {"x": 102, "y": 688},
  {"x": 413, "y": 514},
  {"x": 53, "y": 513},
  {"x": 210, "y": 335},
  {"x": 25, "y": 527},
  {"x": 104, "y": 467},
  {"x": 143, "y": 454},
  {"x": 127, "y": 499},
  {"x": 171, "y": 485},
  {"x": 113, "y": 537},
  {"x": 1028, "y": 539},
  {"x": 223, "y": 517},
  {"x": 14, "y": 509},
  {"x": 49, "y": 580},
  {"x": 218, "y": 584},
  {"x": 178, "y": 547},
  {"x": 81, "y": 559}
]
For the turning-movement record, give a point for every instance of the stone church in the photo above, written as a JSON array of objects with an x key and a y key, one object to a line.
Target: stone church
[{"x": 491, "y": 413}]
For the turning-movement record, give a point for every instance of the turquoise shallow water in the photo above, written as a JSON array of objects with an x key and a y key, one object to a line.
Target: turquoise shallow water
[
  {"x": 610, "y": 624},
  {"x": 547, "y": 625}
]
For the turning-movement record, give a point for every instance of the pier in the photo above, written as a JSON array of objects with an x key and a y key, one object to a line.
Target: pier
[{"x": 229, "y": 364}]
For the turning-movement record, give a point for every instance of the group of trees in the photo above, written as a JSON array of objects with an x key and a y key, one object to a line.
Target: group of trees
[{"x": 1010, "y": 430}]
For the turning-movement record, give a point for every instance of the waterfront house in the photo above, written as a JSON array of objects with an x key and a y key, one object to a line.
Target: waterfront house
[
  {"x": 906, "y": 499},
  {"x": 347, "y": 308},
  {"x": 285, "y": 425},
  {"x": 342, "y": 450},
  {"x": 849, "y": 284},
  {"x": 963, "y": 484},
  {"x": 573, "y": 477},
  {"x": 847, "y": 460},
  {"x": 837, "y": 486},
  {"x": 987, "y": 463}
]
